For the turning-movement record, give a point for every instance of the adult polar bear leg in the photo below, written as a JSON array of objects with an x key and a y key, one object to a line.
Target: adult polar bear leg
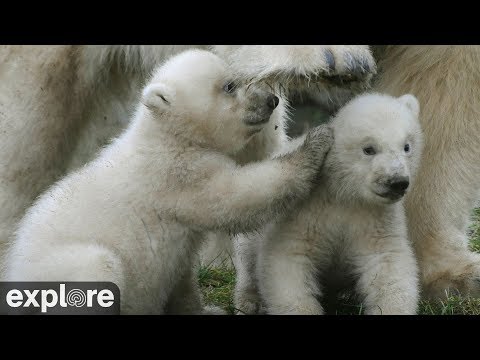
[{"x": 444, "y": 79}]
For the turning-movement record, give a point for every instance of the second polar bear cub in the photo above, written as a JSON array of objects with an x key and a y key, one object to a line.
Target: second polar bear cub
[
  {"x": 354, "y": 224},
  {"x": 136, "y": 215}
]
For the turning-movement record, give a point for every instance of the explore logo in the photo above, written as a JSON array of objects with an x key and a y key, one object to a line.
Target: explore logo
[{"x": 59, "y": 298}]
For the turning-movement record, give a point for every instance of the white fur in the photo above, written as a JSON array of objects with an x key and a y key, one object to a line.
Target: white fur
[
  {"x": 60, "y": 104},
  {"x": 346, "y": 227},
  {"x": 137, "y": 214}
]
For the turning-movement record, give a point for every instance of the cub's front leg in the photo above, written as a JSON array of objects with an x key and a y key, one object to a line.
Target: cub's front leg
[
  {"x": 243, "y": 199},
  {"x": 387, "y": 275},
  {"x": 246, "y": 296}
]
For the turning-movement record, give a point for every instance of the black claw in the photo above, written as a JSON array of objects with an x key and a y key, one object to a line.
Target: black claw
[{"x": 330, "y": 60}]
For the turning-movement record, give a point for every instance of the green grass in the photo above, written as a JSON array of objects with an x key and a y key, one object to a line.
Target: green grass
[
  {"x": 475, "y": 231},
  {"x": 453, "y": 305},
  {"x": 217, "y": 285}
]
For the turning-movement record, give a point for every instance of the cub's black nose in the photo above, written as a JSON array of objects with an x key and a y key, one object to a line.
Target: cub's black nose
[
  {"x": 272, "y": 101},
  {"x": 399, "y": 185}
]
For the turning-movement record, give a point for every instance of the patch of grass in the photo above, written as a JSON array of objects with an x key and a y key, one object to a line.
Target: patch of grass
[
  {"x": 453, "y": 305},
  {"x": 474, "y": 230},
  {"x": 345, "y": 304},
  {"x": 217, "y": 286}
]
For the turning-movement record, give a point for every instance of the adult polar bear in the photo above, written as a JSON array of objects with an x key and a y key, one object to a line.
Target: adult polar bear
[{"x": 57, "y": 104}]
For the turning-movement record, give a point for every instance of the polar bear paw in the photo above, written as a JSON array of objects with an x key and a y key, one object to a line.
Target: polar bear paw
[
  {"x": 462, "y": 278},
  {"x": 318, "y": 142},
  {"x": 292, "y": 66}
]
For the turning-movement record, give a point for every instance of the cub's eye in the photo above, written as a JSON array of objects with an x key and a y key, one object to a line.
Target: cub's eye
[
  {"x": 406, "y": 148},
  {"x": 229, "y": 87},
  {"x": 369, "y": 150}
]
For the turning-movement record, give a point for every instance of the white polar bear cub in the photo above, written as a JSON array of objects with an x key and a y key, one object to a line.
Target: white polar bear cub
[
  {"x": 354, "y": 224},
  {"x": 137, "y": 214}
]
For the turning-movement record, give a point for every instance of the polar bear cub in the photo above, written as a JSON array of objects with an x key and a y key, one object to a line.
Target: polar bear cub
[
  {"x": 137, "y": 214},
  {"x": 354, "y": 224}
]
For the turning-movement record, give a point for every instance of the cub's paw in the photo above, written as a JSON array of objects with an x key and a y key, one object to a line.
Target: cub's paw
[{"x": 318, "y": 142}]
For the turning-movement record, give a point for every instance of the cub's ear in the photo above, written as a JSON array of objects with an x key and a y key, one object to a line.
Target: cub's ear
[
  {"x": 158, "y": 97},
  {"x": 411, "y": 103}
]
